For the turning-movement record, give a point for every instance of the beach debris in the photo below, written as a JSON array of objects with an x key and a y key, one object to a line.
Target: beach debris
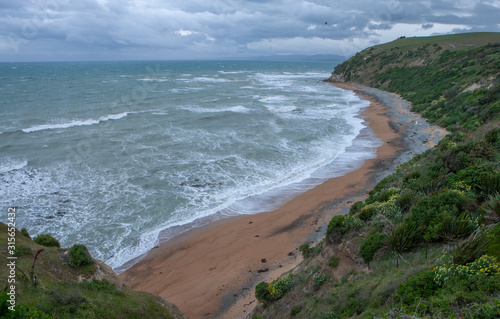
[
  {"x": 263, "y": 270},
  {"x": 256, "y": 235},
  {"x": 291, "y": 253},
  {"x": 264, "y": 260}
]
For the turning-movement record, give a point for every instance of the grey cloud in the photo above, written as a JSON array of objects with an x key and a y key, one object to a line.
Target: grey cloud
[{"x": 221, "y": 26}]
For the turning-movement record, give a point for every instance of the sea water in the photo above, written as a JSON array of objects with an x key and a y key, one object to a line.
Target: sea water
[{"x": 115, "y": 155}]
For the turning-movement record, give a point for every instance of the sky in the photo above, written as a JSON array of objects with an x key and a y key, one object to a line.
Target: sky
[{"x": 88, "y": 30}]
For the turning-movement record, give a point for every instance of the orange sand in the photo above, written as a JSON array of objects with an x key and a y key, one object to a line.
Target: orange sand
[{"x": 211, "y": 272}]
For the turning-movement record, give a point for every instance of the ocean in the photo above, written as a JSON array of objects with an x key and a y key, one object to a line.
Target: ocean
[{"x": 118, "y": 155}]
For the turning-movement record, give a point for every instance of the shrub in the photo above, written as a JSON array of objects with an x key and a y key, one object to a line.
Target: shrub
[
  {"x": 494, "y": 245},
  {"x": 47, "y": 241},
  {"x": 352, "y": 223},
  {"x": 491, "y": 207},
  {"x": 20, "y": 312},
  {"x": 262, "y": 292},
  {"x": 334, "y": 261},
  {"x": 387, "y": 194},
  {"x": 356, "y": 208},
  {"x": 419, "y": 286},
  {"x": 490, "y": 185},
  {"x": 353, "y": 306},
  {"x": 367, "y": 212},
  {"x": 428, "y": 212},
  {"x": 471, "y": 248},
  {"x": 371, "y": 244},
  {"x": 448, "y": 272},
  {"x": 308, "y": 251},
  {"x": 473, "y": 177},
  {"x": 25, "y": 233},
  {"x": 402, "y": 238},
  {"x": 79, "y": 256},
  {"x": 490, "y": 310},
  {"x": 454, "y": 227},
  {"x": 319, "y": 279},
  {"x": 304, "y": 249},
  {"x": 405, "y": 199},
  {"x": 281, "y": 286},
  {"x": 493, "y": 137},
  {"x": 336, "y": 224}
]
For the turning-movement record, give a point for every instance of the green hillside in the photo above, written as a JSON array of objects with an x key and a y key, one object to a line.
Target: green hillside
[
  {"x": 51, "y": 282},
  {"x": 426, "y": 242},
  {"x": 447, "y": 42}
]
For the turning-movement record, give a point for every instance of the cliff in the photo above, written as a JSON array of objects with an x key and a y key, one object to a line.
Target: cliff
[
  {"x": 45, "y": 281},
  {"x": 426, "y": 242}
]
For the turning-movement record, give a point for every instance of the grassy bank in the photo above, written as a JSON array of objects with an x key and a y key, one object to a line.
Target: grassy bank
[
  {"x": 51, "y": 282},
  {"x": 426, "y": 242}
]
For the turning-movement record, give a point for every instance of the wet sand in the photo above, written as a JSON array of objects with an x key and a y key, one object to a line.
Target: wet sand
[{"x": 211, "y": 272}]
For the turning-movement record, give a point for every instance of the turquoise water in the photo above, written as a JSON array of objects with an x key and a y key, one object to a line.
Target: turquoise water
[{"x": 115, "y": 154}]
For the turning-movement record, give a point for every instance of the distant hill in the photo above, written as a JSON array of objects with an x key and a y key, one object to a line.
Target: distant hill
[
  {"x": 452, "y": 41},
  {"x": 289, "y": 57},
  {"x": 298, "y": 57}
]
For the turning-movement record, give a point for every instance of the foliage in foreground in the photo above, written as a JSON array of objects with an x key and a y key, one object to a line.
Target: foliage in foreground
[{"x": 47, "y": 285}]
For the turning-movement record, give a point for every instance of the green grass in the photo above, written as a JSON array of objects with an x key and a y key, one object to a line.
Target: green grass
[
  {"x": 438, "y": 201},
  {"x": 91, "y": 300},
  {"x": 374, "y": 289},
  {"x": 457, "y": 41},
  {"x": 58, "y": 293}
]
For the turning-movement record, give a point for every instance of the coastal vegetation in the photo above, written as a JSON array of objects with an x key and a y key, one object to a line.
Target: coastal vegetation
[
  {"x": 426, "y": 242},
  {"x": 52, "y": 282}
]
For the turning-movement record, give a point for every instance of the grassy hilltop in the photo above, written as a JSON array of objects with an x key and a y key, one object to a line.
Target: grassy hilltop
[
  {"x": 426, "y": 242},
  {"x": 67, "y": 283}
]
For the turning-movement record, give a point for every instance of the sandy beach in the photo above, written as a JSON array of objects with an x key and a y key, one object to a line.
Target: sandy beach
[{"x": 211, "y": 272}]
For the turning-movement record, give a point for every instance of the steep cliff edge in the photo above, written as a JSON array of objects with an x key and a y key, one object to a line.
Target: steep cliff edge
[{"x": 426, "y": 242}]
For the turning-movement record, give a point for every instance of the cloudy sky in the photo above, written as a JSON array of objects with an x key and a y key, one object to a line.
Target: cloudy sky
[{"x": 61, "y": 30}]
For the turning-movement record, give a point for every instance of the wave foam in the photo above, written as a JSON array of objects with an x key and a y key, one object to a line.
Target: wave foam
[
  {"x": 12, "y": 165},
  {"x": 75, "y": 123}
]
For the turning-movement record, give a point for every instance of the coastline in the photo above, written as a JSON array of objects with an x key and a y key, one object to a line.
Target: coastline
[{"x": 211, "y": 272}]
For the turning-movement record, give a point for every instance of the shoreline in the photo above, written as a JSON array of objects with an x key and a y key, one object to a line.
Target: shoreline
[{"x": 211, "y": 271}]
